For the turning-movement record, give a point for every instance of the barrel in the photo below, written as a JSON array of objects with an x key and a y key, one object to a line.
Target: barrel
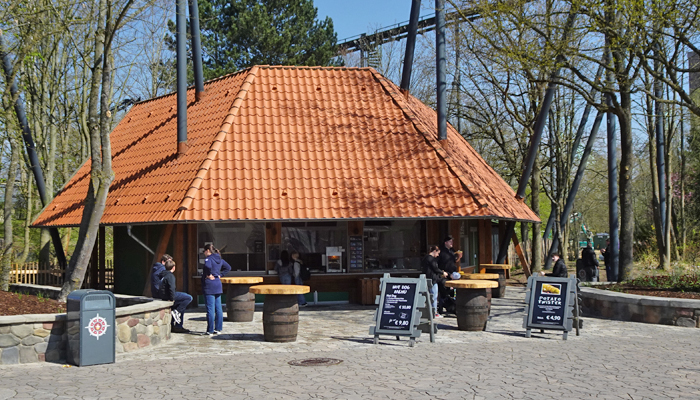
[
  {"x": 240, "y": 303},
  {"x": 280, "y": 318},
  {"x": 472, "y": 309},
  {"x": 501, "y": 290}
]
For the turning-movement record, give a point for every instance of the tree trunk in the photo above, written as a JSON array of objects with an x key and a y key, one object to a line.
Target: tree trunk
[
  {"x": 101, "y": 174},
  {"x": 625, "y": 183},
  {"x": 28, "y": 218},
  {"x": 7, "y": 253},
  {"x": 536, "y": 263}
]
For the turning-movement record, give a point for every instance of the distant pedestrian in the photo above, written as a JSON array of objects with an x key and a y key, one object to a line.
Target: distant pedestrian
[
  {"x": 214, "y": 269},
  {"x": 590, "y": 263}
]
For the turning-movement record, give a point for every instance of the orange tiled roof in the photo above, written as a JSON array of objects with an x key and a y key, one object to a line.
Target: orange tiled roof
[{"x": 285, "y": 143}]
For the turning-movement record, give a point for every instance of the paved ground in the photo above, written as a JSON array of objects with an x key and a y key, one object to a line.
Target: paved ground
[{"x": 610, "y": 360}]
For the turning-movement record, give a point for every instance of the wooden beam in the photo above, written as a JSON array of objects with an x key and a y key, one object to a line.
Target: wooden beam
[
  {"x": 433, "y": 231},
  {"x": 192, "y": 259},
  {"x": 178, "y": 255},
  {"x": 160, "y": 250},
  {"x": 521, "y": 256},
  {"x": 273, "y": 235},
  {"x": 485, "y": 251}
]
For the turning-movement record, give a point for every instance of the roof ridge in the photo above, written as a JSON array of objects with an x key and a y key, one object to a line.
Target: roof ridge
[
  {"x": 218, "y": 141},
  {"x": 418, "y": 124}
]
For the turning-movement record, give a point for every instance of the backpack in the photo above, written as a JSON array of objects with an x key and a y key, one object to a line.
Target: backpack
[{"x": 304, "y": 272}]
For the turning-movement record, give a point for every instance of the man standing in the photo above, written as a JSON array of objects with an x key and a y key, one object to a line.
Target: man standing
[
  {"x": 448, "y": 257},
  {"x": 180, "y": 300}
]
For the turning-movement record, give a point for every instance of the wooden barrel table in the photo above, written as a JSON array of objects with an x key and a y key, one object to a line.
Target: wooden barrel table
[
  {"x": 280, "y": 311},
  {"x": 472, "y": 303},
  {"x": 240, "y": 303},
  {"x": 486, "y": 277},
  {"x": 503, "y": 270}
]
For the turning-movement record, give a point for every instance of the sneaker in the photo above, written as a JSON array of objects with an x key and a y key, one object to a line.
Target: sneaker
[
  {"x": 176, "y": 316},
  {"x": 179, "y": 329},
  {"x": 217, "y": 332},
  {"x": 303, "y": 305},
  {"x": 209, "y": 333},
  {"x": 437, "y": 316}
]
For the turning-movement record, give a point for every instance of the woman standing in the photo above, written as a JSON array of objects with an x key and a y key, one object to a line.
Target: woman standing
[
  {"x": 297, "y": 277},
  {"x": 214, "y": 268},
  {"x": 284, "y": 268}
]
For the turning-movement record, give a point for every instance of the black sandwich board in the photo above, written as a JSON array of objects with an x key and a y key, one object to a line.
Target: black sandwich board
[
  {"x": 399, "y": 312},
  {"x": 549, "y": 304}
]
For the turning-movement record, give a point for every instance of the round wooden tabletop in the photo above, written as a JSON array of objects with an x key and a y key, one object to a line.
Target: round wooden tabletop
[
  {"x": 494, "y": 266},
  {"x": 239, "y": 280},
  {"x": 280, "y": 289},
  {"x": 480, "y": 276},
  {"x": 471, "y": 284}
]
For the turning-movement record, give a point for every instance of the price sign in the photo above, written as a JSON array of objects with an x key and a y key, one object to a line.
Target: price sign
[
  {"x": 550, "y": 299},
  {"x": 397, "y": 306},
  {"x": 549, "y": 303}
]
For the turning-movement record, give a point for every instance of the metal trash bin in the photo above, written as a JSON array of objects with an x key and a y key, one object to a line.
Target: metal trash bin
[{"x": 91, "y": 327}]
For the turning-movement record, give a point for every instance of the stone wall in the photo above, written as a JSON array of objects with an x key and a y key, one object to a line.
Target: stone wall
[
  {"x": 140, "y": 322},
  {"x": 636, "y": 308}
]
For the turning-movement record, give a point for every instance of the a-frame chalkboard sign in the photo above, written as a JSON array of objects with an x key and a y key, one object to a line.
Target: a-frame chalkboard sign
[
  {"x": 549, "y": 304},
  {"x": 399, "y": 311}
]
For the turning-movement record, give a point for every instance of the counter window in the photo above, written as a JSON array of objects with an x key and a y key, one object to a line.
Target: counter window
[
  {"x": 242, "y": 244},
  {"x": 392, "y": 245}
]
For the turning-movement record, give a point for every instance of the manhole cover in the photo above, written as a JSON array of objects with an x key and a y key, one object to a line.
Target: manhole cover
[{"x": 314, "y": 362}]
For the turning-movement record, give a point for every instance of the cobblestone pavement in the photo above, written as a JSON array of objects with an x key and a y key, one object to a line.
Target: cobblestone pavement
[{"x": 610, "y": 360}]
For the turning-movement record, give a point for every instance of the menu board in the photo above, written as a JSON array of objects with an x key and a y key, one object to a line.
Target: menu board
[
  {"x": 356, "y": 256},
  {"x": 549, "y": 305},
  {"x": 397, "y": 306}
]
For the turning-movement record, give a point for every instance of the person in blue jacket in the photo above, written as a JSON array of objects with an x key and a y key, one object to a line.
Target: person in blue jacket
[
  {"x": 157, "y": 275},
  {"x": 214, "y": 268}
]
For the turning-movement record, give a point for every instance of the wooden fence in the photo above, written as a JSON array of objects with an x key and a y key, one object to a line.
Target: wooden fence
[{"x": 30, "y": 273}]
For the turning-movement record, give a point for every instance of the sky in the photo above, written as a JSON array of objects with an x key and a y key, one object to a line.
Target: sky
[{"x": 351, "y": 18}]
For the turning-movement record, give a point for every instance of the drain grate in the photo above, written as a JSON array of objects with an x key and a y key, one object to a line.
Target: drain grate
[{"x": 315, "y": 362}]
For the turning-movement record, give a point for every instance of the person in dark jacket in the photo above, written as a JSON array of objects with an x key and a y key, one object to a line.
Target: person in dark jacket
[
  {"x": 157, "y": 275},
  {"x": 431, "y": 270},
  {"x": 559, "y": 269},
  {"x": 214, "y": 269},
  {"x": 180, "y": 300},
  {"x": 448, "y": 259},
  {"x": 590, "y": 263}
]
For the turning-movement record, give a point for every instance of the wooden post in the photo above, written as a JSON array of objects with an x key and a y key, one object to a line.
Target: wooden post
[
  {"x": 178, "y": 255},
  {"x": 103, "y": 248},
  {"x": 501, "y": 235},
  {"x": 192, "y": 259},
  {"x": 485, "y": 250},
  {"x": 273, "y": 235},
  {"x": 433, "y": 231}
]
